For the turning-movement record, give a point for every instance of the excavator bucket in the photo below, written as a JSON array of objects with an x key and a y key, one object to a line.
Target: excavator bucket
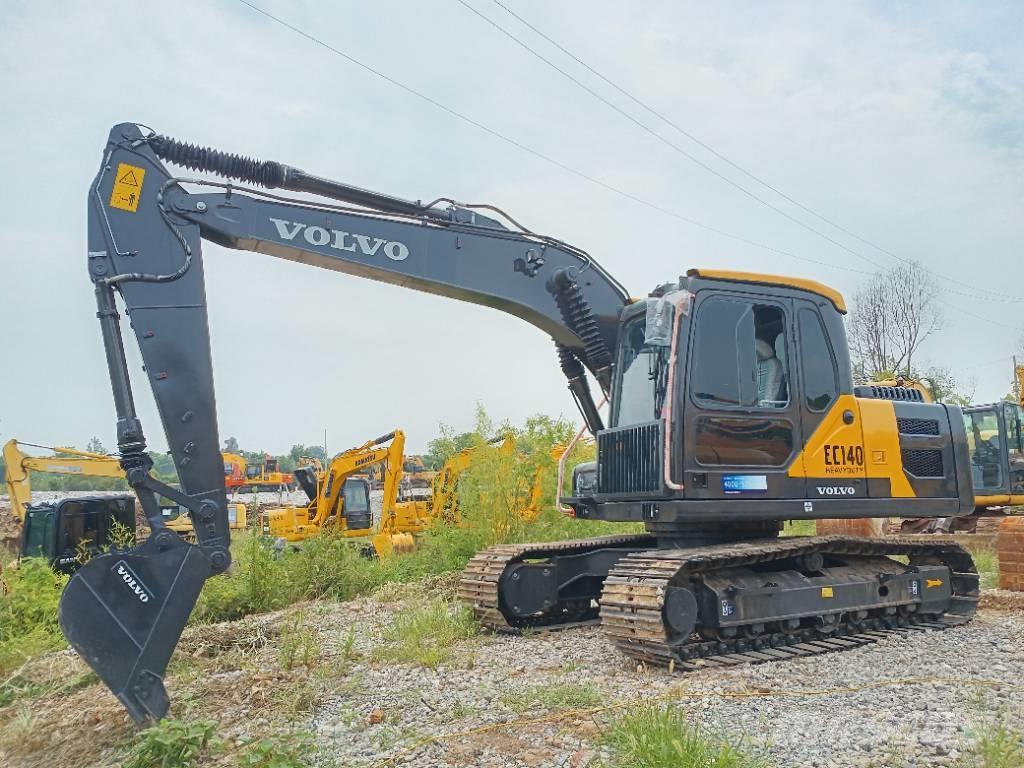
[
  {"x": 387, "y": 544},
  {"x": 124, "y": 612}
]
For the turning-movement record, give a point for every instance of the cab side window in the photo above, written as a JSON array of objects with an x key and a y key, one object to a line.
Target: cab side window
[
  {"x": 1013, "y": 427},
  {"x": 739, "y": 355},
  {"x": 821, "y": 376}
]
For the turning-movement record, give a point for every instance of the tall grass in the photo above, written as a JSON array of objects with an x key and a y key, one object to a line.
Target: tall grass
[{"x": 29, "y": 596}]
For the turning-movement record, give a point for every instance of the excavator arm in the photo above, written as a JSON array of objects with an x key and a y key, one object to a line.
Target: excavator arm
[{"x": 124, "y": 612}]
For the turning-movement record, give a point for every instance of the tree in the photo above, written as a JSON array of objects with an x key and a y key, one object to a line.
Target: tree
[
  {"x": 95, "y": 446},
  {"x": 893, "y": 314},
  {"x": 231, "y": 445},
  {"x": 946, "y": 388}
]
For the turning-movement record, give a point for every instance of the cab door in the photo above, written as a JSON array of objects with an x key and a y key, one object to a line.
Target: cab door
[
  {"x": 742, "y": 413},
  {"x": 833, "y": 457}
]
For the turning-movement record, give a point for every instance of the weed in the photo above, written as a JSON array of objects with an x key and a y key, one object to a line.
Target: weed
[
  {"x": 425, "y": 634},
  {"x": 289, "y": 750},
  {"x": 119, "y": 537},
  {"x": 460, "y": 711},
  {"x": 297, "y": 646},
  {"x": 554, "y": 697},
  {"x": 997, "y": 746},
  {"x": 348, "y": 650},
  {"x": 174, "y": 744},
  {"x": 660, "y": 737},
  {"x": 296, "y": 699}
]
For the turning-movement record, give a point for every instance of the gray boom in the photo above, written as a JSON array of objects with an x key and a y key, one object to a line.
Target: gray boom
[{"x": 124, "y": 612}]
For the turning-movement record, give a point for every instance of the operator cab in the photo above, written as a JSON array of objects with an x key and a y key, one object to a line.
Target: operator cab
[
  {"x": 67, "y": 532},
  {"x": 355, "y": 496},
  {"x": 996, "y": 444},
  {"x": 733, "y": 401}
]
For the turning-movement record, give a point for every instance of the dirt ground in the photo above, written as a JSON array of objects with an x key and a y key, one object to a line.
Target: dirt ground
[{"x": 540, "y": 700}]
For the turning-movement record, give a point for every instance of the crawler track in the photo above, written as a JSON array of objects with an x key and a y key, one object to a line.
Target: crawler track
[
  {"x": 634, "y": 594},
  {"x": 479, "y": 585}
]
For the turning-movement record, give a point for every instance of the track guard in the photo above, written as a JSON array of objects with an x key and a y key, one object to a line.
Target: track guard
[{"x": 124, "y": 612}]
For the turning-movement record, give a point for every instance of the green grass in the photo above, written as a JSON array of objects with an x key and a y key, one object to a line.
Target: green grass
[
  {"x": 987, "y": 562},
  {"x": 174, "y": 744},
  {"x": 554, "y": 697},
  {"x": 425, "y": 634},
  {"x": 997, "y": 745},
  {"x": 661, "y": 737},
  {"x": 297, "y": 645},
  {"x": 29, "y": 595},
  {"x": 799, "y": 528}
]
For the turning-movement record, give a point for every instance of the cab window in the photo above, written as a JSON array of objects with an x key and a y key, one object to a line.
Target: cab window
[
  {"x": 985, "y": 449},
  {"x": 1013, "y": 427},
  {"x": 643, "y": 377},
  {"x": 354, "y": 496},
  {"x": 739, "y": 356},
  {"x": 821, "y": 377}
]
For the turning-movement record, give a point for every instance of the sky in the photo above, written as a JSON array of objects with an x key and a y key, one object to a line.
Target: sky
[{"x": 902, "y": 122}]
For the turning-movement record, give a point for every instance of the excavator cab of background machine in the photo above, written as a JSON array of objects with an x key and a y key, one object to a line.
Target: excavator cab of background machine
[
  {"x": 67, "y": 532},
  {"x": 355, "y": 495}
]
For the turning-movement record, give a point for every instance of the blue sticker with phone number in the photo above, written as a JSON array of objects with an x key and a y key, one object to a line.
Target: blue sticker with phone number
[{"x": 744, "y": 483}]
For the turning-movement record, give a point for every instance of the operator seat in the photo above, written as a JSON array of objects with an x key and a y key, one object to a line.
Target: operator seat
[{"x": 771, "y": 380}]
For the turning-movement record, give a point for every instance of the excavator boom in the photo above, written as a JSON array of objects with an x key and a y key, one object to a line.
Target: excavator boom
[{"x": 124, "y": 613}]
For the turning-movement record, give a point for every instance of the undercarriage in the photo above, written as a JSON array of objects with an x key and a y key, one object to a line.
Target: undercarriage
[{"x": 734, "y": 602}]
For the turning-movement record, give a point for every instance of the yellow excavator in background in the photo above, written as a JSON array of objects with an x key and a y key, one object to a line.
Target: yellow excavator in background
[
  {"x": 266, "y": 475},
  {"x": 68, "y": 531},
  {"x": 444, "y": 503},
  {"x": 340, "y": 498},
  {"x": 68, "y": 461},
  {"x": 65, "y": 461},
  {"x": 234, "y": 471},
  {"x": 416, "y": 473}
]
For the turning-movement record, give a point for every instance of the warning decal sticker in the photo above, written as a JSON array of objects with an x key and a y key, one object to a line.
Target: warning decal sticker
[{"x": 127, "y": 187}]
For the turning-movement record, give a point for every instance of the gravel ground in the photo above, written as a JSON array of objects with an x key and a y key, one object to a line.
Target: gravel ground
[
  {"x": 905, "y": 702},
  {"x": 855, "y": 708}
]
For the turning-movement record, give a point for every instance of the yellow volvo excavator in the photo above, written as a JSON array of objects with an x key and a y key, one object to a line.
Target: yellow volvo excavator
[
  {"x": 65, "y": 530},
  {"x": 340, "y": 499},
  {"x": 731, "y": 409}
]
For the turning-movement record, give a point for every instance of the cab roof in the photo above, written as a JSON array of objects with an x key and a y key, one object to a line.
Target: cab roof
[{"x": 789, "y": 282}]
